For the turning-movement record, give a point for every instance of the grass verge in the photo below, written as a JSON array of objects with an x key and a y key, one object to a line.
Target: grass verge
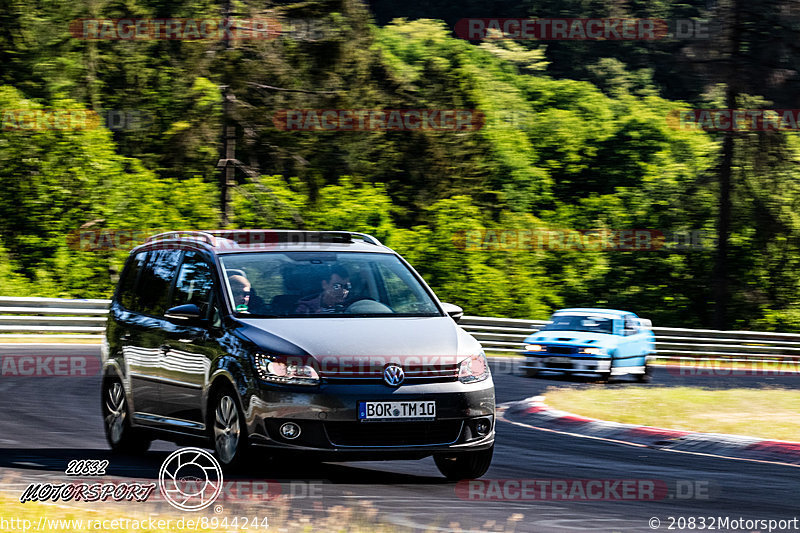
[{"x": 768, "y": 413}]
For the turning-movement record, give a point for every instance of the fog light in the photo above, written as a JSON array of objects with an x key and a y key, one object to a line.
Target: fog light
[
  {"x": 482, "y": 427},
  {"x": 290, "y": 430}
]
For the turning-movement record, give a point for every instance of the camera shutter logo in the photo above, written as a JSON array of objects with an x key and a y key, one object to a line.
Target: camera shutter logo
[
  {"x": 190, "y": 479},
  {"x": 393, "y": 375}
]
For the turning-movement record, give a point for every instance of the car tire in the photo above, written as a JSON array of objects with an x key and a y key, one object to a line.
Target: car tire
[
  {"x": 466, "y": 465},
  {"x": 605, "y": 377},
  {"x": 117, "y": 421},
  {"x": 227, "y": 428},
  {"x": 531, "y": 373},
  {"x": 647, "y": 377}
]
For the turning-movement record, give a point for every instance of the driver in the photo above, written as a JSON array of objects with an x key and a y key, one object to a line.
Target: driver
[{"x": 335, "y": 290}]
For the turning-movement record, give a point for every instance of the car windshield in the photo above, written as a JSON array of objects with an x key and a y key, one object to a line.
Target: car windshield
[
  {"x": 590, "y": 323},
  {"x": 322, "y": 284}
]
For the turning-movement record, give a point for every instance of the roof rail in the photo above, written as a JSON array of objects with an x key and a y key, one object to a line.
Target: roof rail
[
  {"x": 366, "y": 237},
  {"x": 287, "y": 235},
  {"x": 235, "y": 236},
  {"x": 190, "y": 234}
]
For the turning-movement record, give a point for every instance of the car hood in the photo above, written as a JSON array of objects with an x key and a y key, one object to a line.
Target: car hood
[
  {"x": 578, "y": 338},
  {"x": 348, "y": 337}
]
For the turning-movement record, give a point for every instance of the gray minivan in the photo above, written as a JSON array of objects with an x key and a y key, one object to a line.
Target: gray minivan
[{"x": 283, "y": 342}]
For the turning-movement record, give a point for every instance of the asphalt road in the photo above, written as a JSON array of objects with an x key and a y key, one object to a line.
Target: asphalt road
[{"x": 47, "y": 421}]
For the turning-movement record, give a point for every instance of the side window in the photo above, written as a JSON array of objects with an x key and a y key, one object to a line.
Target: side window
[
  {"x": 402, "y": 293},
  {"x": 155, "y": 281},
  {"x": 127, "y": 284},
  {"x": 631, "y": 325},
  {"x": 195, "y": 282},
  {"x": 401, "y": 297}
]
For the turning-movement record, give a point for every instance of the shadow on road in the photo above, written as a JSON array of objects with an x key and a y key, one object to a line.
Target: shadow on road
[{"x": 146, "y": 466}]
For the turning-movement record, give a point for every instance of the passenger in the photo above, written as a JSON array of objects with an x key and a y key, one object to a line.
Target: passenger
[
  {"x": 335, "y": 290},
  {"x": 240, "y": 286}
]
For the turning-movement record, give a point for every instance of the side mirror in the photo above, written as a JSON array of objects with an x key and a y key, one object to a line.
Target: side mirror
[
  {"x": 453, "y": 310},
  {"x": 184, "y": 314},
  {"x": 646, "y": 323}
]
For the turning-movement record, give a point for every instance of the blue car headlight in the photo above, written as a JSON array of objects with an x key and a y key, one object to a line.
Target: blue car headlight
[{"x": 592, "y": 351}]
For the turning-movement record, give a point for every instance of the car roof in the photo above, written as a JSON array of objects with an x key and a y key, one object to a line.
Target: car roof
[
  {"x": 307, "y": 247},
  {"x": 615, "y": 312},
  {"x": 221, "y": 242}
]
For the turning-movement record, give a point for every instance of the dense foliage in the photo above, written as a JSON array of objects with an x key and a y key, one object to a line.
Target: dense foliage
[{"x": 576, "y": 137}]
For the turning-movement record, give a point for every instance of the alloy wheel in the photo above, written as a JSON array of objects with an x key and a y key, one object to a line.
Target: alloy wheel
[
  {"x": 115, "y": 411},
  {"x": 226, "y": 429}
]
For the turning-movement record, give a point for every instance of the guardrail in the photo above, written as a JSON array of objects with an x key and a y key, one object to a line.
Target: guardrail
[
  {"x": 60, "y": 319},
  {"x": 52, "y": 318},
  {"x": 507, "y": 335}
]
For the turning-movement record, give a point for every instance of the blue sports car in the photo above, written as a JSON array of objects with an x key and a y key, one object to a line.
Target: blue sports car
[{"x": 605, "y": 342}]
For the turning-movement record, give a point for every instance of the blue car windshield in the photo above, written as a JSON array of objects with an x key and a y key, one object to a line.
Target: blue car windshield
[{"x": 589, "y": 323}]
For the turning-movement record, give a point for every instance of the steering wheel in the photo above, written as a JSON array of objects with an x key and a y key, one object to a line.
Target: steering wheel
[{"x": 368, "y": 306}]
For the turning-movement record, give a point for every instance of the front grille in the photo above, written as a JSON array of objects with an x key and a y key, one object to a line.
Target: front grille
[
  {"x": 380, "y": 381},
  {"x": 563, "y": 366},
  {"x": 563, "y": 350},
  {"x": 393, "y": 433},
  {"x": 414, "y": 373}
]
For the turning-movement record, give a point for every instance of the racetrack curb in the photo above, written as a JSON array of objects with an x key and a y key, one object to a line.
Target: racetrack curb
[{"x": 534, "y": 413}]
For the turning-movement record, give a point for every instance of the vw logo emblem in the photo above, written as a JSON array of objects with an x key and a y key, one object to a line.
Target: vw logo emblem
[{"x": 393, "y": 375}]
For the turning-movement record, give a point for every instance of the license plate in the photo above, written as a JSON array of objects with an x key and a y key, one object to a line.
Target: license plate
[
  {"x": 558, "y": 360},
  {"x": 422, "y": 410}
]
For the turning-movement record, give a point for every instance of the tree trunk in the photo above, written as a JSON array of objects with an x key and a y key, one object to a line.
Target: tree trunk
[{"x": 721, "y": 276}]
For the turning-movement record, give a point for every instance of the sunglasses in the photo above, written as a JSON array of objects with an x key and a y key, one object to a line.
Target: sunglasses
[{"x": 342, "y": 286}]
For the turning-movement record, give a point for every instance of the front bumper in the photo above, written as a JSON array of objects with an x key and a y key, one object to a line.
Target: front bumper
[
  {"x": 562, "y": 363},
  {"x": 328, "y": 418}
]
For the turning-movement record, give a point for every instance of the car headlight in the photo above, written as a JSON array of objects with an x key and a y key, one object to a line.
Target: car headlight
[
  {"x": 285, "y": 370},
  {"x": 534, "y": 348},
  {"x": 592, "y": 351},
  {"x": 473, "y": 369}
]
